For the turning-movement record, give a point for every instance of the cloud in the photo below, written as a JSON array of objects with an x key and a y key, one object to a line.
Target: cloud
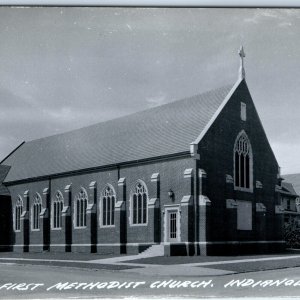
[
  {"x": 129, "y": 27},
  {"x": 63, "y": 114},
  {"x": 271, "y": 14},
  {"x": 156, "y": 101},
  {"x": 285, "y": 24},
  {"x": 261, "y": 15}
]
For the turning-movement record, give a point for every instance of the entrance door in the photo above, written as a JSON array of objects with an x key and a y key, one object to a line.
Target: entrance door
[{"x": 172, "y": 225}]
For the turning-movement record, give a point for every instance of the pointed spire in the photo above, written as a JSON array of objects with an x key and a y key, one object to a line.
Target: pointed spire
[{"x": 242, "y": 74}]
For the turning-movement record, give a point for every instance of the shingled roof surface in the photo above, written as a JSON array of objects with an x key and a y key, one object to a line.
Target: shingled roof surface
[
  {"x": 294, "y": 179},
  {"x": 3, "y": 172},
  {"x": 159, "y": 131}
]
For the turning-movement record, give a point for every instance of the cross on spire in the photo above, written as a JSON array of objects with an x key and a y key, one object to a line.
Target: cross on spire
[{"x": 242, "y": 55}]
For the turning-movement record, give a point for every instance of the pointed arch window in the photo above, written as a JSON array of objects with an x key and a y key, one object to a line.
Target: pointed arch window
[
  {"x": 18, "y": 213},
  {"x": 139, "y": 200},
  {"x": 107, "y": 213},
  {"x": 81, "y": 201},
  {"x": 243, "y": 162},
  {"x": 36, "y": 210},
  {"x": 58, "y": 205}
]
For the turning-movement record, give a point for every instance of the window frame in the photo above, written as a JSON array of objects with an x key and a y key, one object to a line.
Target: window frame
[
  {"x": 58, "y": 201},
  {"x": 36, "y": 209},
  {"x": 249, "y": 154},
  {"x": 113, "y": 200},
  {"x": 18, "y": 210},
  {"x": 288, "y": 204},
  {"x": 134, "y": 209},
  {"x": 82, "y": 199}
]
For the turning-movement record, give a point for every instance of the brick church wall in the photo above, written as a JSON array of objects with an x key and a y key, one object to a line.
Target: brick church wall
[
  {"x": 108, "y": 239},
  {"x": 216, "y": 152},
  {"x": 32, "y": 240},
  {"x": 171, "y": 176},
  {"x": 216, "y": 213}
]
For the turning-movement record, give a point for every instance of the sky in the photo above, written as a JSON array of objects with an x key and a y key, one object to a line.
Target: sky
[{"x": 62, "y": 68}]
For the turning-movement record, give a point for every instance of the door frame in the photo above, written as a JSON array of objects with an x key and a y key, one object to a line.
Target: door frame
[{"x": 167, "y": 210}]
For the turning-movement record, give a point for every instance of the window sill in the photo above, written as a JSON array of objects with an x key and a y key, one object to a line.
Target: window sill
[
  {"x": 80, "y": 227},
  {"x": 107, "y": 226},
  {"x": 137, "y": 225},
  {"x": 55, "y": 229},
  {"x": 36, "y": 229},
  {"x": 250, "y": 190}
]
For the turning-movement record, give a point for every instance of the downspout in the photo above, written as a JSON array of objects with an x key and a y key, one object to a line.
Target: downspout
[{"x": 118, "y": 169}]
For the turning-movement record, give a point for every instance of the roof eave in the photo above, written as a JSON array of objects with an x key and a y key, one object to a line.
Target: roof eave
[
  {"x": 99, "y": 168},
  {"x": 12, "y": 152},
  {"x": 217, "y": 113}
]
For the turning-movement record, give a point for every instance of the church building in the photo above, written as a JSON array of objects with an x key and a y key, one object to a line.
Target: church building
[{"x": 196, "y": 176}]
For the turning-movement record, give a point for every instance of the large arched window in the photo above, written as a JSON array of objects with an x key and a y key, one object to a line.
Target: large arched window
[
  {"x": 243, "y": 162},
  {"x": 58, "y": 205},
  {"x": 18, "y": 213},
  {"x": 139, "y": 200},
  {"x": 36, "y": 210},
  {"x": 80, "y": 208},
  {"x": 107, "y": 206}
]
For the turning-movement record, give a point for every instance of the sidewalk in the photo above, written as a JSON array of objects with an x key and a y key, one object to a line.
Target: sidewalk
[{"x": 164, "y": 266}]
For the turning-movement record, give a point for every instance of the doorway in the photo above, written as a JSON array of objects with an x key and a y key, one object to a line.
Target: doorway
[{"x": 172, "y": 224}]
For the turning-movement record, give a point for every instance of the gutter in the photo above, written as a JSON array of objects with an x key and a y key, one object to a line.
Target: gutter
[{"x": 99, "y": 168}]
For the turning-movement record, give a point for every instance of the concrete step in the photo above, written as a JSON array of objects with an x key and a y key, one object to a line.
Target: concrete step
[{"x": 154, "y": 250}]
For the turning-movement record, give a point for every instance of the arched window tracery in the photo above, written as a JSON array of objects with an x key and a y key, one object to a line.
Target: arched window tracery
[
  {"x": 36, "y": 210},
  {"x": 58, "y": 205},
  {"x": 243, "y": 162},
  {"x": 139, "y": 200},
  {"x": 107, "y": 213},
  {"x": 18, "y": 213},
  {"x": 81, "y": 201}
]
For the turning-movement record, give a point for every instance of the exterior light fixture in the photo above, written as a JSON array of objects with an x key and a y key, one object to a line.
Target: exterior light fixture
[{"x": 171, "y": 194}]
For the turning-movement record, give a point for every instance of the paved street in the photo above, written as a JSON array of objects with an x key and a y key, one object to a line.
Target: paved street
[{"x": 45, "y": 281}]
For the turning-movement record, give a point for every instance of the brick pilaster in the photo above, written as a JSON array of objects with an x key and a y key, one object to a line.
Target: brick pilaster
[
  {"x": 45, "y": 220},
  {"x": 25, "y": 226},
  {"x": 67, "y": 218},
  {"x": 231, "y": 223},
  {"x": 154, "y": 209},
  {"x": 260, "y": 215},
  {"x": 91, "y": 211},
  {"x": 121, "y": 215},
  {"x": 204, "y": 205}
]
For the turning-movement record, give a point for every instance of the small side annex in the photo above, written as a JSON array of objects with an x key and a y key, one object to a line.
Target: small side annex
[{"x": 196, "y": 176}]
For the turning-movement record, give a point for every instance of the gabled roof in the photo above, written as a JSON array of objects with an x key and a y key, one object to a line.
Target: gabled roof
[
  {"x": 3, "y": 172},
  {"x": 161, "y": 131},
  {"x": 288, "y": 188},
  {"x": 293, "y": 179}
]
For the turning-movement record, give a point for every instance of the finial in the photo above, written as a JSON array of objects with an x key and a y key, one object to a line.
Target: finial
[{"x": 242, "y": 54}]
